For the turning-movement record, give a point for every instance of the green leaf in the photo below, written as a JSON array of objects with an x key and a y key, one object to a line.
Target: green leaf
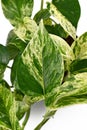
[
  {"x": 2, "y": 69},
  {"x": 73, "y": 91},
  {"x": 14, "y": 45},
  {"x": 18, "y": 13},
  {"x": 57, "y": 30},
  {"x": 26, "y": 29},
  {"x": 4, "y": 55},
  {"x": 14, "y": 40},
  {"x": 4, "y": 83},
  {"x": 8, "y": 119},
  {"x": 21, "y": 104},
  {"x": 22, "y": 108},
  {"x": 64, "y": 22},
  {"x": 14, "y": 72},
  {"x": 13, "y": 51},
  {"x": 41, "y": 65},
  {"x": 42, "y": 14},
  {"x": 78, "y": 66},
  {"x": 15, "y": 10},
  {"x": 64, "y": 48},
  {"x": 79, "y": 47},
  {"x": 70, "y": 9},
  {"x": 4, "y": 59},
  {"x": 51, "y": 28}
]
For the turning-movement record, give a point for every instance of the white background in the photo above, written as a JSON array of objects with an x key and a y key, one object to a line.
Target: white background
[{"x": 67, "y": 118}]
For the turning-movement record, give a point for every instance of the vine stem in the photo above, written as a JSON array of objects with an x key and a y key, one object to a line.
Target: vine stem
[
  {"x": 46, "y": 118},
  {"x": 42, "y": 3},
  {"x": 26, "y": 119}
]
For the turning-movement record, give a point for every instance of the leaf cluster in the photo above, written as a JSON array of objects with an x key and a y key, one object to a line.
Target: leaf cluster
[{"x": 49, "y": 60}]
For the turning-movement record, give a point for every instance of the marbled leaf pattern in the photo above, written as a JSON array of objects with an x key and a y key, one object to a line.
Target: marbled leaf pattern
[
  {"x": 15, "y": 10},
  {"x": 41, "y": 64},
  {"x": 72, "y": 91},
  {"x": 64, "y": 22},
  {"x": 8, "y": 119}
]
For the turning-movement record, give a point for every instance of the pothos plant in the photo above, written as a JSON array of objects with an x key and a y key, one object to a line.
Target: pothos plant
[{"x": 49, "y": 60}]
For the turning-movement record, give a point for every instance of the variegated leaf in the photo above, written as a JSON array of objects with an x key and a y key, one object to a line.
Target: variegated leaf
[
  {"x": 41, "y": 65},
  {"x": 26, "y": 29},
  {"x": 16, "y": 10},
  {"x": 16, "y": 42},
  {"x": 42, "y": 14},
  {"x": 78, "y": 66},
  {"x": 70, "y": 9},
  {"x": 56, "y": 29},
  {"x": 73, "y": 91},
  {"x": 64, "y": 22},
  {"x": 8, "y": 119},
  {"x": 65, "y": 49},
  {"x": 80, "y": 47},
  {"x": 18, "y": 13}
]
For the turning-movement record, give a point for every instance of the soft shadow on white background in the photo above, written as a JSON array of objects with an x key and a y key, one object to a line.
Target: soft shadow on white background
[{"x": 68, "y": 118}]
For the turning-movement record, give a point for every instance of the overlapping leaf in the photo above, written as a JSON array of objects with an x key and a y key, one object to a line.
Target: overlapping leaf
[
  {"x": 15, "y": 10},
  {"x": 42, "y": 14},
  {"x": 4, "y": 55},
  {"x": 14, "y": 45},
  {"x": 51, "y": 28},
  {"x": 26, "y": 29},
  {"x": 4, "y": 59},
  {"x": 78, "y": 66},
  {"x": 64, "y": 22},
  {"x": 14, "y": 72},
  {"x": 70, "y": 9},
  {"x": 19, "y": 12},
  {"x": 13, "y": 40},
  {"x": 8, "y": 119},
  {"x": 2, "y": 69},
  {"x": 57, "y": 30},
  {"x": 41, "y": 66},
  {"x": 74, "y": 90},
  {"x": 80, "y": 47},
  {"x": 65, "y": 49}
]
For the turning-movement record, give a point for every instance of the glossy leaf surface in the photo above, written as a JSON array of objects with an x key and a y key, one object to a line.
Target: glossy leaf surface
[
  {"x": 37, "y": 62},
  {"x": 15, "y": 10},
  {"x": 70, "y": 9},
  {"x": 64, "y": 48},
  {"x": 78, "y": 66},
  {"x": 26, "y": 29},
  {"x": 57, "y": 30},
  {"x": 79, "y": 47},
  {"x": 42, "y": 14},
  {"x": 4, "y": 59},
  {"x": 64, "y": 22},
  {"x": 16, "y": 42},
  {"x": 4, "y": 55},
  {"x": 73, "y": 91}
]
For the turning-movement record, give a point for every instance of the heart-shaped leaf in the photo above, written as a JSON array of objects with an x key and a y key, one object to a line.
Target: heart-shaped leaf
[{"x": 41, "y": 65}]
